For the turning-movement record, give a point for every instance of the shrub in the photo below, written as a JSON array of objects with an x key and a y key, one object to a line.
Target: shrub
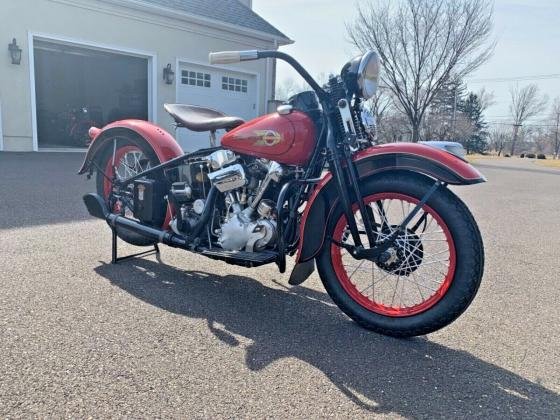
[
  {"x": 541, "y": 156},
  {"x": 507, "y": 155},
  {"x": 522, "y": 155},
  {"x": 530, "y": 155}
]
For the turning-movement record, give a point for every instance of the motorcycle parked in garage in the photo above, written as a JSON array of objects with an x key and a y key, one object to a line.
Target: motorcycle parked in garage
[
  {"x": 75, "y": 123},
  {"x": 396, "y": 250}
]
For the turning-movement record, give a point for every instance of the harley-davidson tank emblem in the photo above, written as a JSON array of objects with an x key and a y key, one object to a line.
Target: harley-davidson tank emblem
[{"x": 267, "y": 138}]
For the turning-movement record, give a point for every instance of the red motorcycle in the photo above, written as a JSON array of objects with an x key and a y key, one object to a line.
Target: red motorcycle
[{"x": 396, "y": 250}]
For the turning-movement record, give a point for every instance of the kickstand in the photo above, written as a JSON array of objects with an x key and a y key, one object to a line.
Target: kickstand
[{"x": 115, "y": 259}]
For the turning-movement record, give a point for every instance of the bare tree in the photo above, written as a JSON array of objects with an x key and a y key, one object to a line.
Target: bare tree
[
  {"x": 437, "y": 127},
  {"x": 393, "y": 127},
  {"x": 288, "y": 88},
  {"x": 555, "y": 116},
  {"x": 380, "y": 105},
  {"x": 486, "y": 99},
  {"x": 423, "y": 44},
  {"x": 526, "y": 103},
  {"x": 498, "y": 139},
  {"x": 540, "y": 137}
]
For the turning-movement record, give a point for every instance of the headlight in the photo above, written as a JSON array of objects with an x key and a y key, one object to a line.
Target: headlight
[{"x": 368, "y": 74}]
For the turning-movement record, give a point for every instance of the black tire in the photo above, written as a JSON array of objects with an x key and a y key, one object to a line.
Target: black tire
[
  {"x": 124, "y": 141},
  {"x": 468, "y": 268}
]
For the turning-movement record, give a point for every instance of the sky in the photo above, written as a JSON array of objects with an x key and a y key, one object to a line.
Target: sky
[{"x": 527, "y": 33}]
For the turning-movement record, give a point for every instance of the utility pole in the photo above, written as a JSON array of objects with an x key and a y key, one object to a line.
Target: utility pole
[
  {"x": 556, "y": 145},
  {"x": 515, "y": 131},
  {"x": 454, "y": 114}
]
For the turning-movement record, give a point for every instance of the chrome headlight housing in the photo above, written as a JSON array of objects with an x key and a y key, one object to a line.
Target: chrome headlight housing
[{"x": 368, "y": 74}]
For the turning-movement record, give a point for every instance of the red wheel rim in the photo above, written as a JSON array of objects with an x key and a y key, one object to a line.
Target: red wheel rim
[{"x": 427, "y": 280}]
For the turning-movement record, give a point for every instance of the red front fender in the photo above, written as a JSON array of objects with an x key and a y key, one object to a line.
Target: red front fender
[
  {"x": 163, "y": 143},
  {"x": 412, "y": 157},
  {"x": 415, "y": 157}
]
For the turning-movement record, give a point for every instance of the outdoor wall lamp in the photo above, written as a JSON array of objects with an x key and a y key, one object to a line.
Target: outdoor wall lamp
[
  {"x": 15, "y": 52},
  {"x": 168, "y": 74}
]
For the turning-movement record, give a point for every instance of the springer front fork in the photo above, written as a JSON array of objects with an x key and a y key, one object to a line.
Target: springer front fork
[
  {"x": 347, "y": 175},
  {"x": 347, "y": 182}
]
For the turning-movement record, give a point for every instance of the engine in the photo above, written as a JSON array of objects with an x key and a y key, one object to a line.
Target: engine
[
  {"x": 244, "y": 218},
  {"x": 245, "y": 231}
]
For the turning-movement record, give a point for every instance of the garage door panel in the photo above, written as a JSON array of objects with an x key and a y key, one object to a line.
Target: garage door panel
[
  {"x": 233, "y": 93},
  {"x": 79, "y": 86}
]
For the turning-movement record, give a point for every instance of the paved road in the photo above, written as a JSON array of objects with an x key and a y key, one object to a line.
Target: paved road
[{"x": 187, "y": 337}]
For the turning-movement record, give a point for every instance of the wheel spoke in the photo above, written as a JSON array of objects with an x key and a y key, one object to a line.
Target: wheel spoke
[
  {"x": 356, "y": 269},
  {"x": 417, "y": 286},
  {"x": 427, "y": 279},
  {"x": 373, "y": 282},
  {"x": 395, "y": 292},
  {"x": 423, "y": 234},
  {"x": 424, "y": 286},
  {"x": 402, "y": 292}
]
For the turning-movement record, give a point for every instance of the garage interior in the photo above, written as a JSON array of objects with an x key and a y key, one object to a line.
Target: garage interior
[{"x": 78, "y": 87}]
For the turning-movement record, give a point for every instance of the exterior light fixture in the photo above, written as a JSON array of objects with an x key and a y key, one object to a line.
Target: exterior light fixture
[
  {"x": 15, "y": 52},
  {"x": 168, "y": 74}
]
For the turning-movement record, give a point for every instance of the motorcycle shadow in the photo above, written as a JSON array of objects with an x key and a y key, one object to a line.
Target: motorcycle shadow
[{"x": 415, "y": 378}]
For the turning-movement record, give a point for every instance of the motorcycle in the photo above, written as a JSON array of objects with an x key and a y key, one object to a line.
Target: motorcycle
[
  {"x": 395, "y": 248},
  {"x": 74, "y": 124}
]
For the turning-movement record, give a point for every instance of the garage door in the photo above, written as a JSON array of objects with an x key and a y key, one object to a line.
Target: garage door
[
  {"x": 233, "y": 93},
  {"x": 78, "y": 87}
]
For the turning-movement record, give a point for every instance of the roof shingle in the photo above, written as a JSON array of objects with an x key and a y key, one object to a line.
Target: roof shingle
[{"x": 228, "y": 11}]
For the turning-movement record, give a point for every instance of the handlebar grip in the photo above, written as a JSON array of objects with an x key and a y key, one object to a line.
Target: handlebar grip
[{"x": 228, "y": 57}]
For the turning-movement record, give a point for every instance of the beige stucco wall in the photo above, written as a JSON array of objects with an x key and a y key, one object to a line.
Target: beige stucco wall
[{"x": 99, "y": 22}]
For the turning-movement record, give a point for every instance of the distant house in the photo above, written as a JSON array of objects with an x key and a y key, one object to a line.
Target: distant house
[{"x": 90, "y": 62}]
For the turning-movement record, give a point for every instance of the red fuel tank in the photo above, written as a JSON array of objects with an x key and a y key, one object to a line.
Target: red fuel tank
[{"x": 288, "y": 139}]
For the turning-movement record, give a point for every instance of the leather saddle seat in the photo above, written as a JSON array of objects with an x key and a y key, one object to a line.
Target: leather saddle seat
[{"x": 197, "y": 118}]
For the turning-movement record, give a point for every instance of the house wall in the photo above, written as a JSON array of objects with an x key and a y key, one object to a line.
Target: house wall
[{"x": 102, "y": 23}]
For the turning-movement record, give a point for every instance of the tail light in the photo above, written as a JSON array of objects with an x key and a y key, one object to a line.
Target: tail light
[{"x": 93, "y": 132}]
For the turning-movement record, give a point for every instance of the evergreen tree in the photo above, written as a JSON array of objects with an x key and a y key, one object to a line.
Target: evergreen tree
[
  {"x": 441, "y": 122},
  {"x": 444, "y": 100},
  {"x": 472, "y": 108}
]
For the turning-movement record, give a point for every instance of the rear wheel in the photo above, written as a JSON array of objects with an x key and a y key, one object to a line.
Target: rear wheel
[
  {"x": 123, "y": 158},
  {"x": 434, "y": 268}
]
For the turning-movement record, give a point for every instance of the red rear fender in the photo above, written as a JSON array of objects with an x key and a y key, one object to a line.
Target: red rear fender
[{"x": 163, "y": 144}]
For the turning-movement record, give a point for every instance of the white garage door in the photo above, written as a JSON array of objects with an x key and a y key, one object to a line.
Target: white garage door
[{"x": 233, "y": 93}]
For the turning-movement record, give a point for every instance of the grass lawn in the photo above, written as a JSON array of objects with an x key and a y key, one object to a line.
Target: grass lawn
[
  {"x": 550, "y": 163},
  {"x": 475, "y": 157}
]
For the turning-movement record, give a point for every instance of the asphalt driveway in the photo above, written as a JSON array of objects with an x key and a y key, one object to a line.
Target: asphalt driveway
[{"x": 191, "y": 337}]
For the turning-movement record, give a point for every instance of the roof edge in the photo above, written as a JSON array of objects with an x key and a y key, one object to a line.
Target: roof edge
[{"x": 142, "y": 5}]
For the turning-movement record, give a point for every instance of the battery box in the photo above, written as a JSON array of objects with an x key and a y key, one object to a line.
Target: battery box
[{"x": 149, "y": 200}]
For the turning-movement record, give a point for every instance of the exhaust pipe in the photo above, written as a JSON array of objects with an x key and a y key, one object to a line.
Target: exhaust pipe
[{"x": 97, "y": 208}]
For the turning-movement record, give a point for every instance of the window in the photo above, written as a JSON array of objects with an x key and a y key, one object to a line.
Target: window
[
  {"x": 234, "y": 85},
  {"x": 195, "y": 78}
]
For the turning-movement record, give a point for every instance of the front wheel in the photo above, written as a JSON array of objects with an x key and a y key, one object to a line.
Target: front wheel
[{"x": 434, "y": 268}]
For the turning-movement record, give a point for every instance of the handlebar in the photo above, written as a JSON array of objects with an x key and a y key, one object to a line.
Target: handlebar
[{"x": 229, "y": 57}]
